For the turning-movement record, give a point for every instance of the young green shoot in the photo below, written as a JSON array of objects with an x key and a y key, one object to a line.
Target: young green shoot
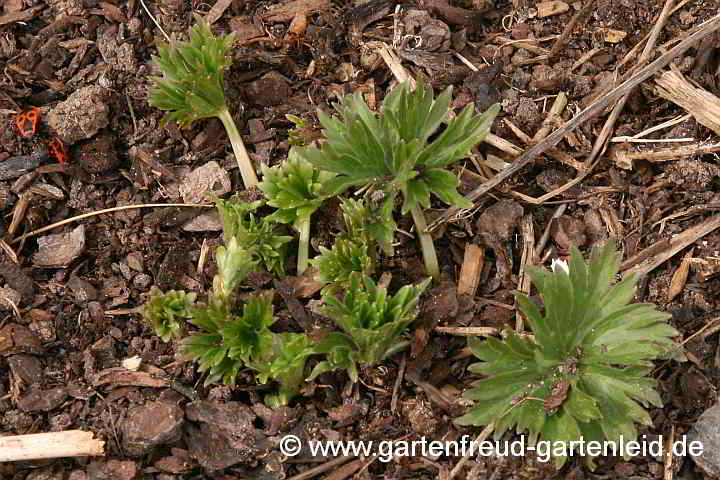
[
  {"x": 402, "y": 151},
  {"x": 585, "y": 371},
  {"x": 372, "y": 324},
  {"x": 191, "y": 87},
  {"x": 164, "y": 311},
  {"x": 295, "y": 188},
  {"x": 353, "y": 250},
  {"x": 257, "y": 234}
]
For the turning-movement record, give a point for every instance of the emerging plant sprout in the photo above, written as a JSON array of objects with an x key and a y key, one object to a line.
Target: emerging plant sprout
[
  {"x": 232, "y": 334},
  {"x": 295, "y": 188},
  {"x": 353, "y": 250},
  {"x": 585, "y": 372},
  {"x": 401, "y": 151},
  {"x": 373, "y": 324},
  {"x": 191, "y": 87},
  {"x": 256, "y": 234}
]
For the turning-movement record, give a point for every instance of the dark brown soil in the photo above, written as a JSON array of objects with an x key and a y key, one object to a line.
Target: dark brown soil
[{"x": 67, "y": 303}]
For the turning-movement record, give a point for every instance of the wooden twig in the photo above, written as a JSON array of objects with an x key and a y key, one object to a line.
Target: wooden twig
[
  {"x": 468, "y": 331},
  {"x": 553, "y": 117},
  {"x": 100, "y": 212},
  {"x": 591, "y": 111},
  {"x": 580, "y": 16},
  {"x": 528, "y": 258},
  {"x": 546, "y": 233},
  {"x": 640, "y": 136},
  {"x": 398, "y": 382},
  {"x": 480, "y": 438},
  {"x": 700, "y": 103},
  {"x": 666, "y": 249},
  {"x": 70, "y": 443},
  {"x": 624, "y": 159}
]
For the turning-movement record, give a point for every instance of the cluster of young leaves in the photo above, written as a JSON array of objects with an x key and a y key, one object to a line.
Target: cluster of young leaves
[
  {"x": 164, "y": 311},
  {"x": 353, "y": 250},
  {"x": 585, "y": 372},
  {"x": 394, "y": 150},
  {"x": 296, "y": 189},
  {"x": 256, "y": 234},
  {"x": 227, "y": 341},
  {"x": 372, "y": 324},
  {"x": 191, "y": 86},
  {"x": 398, "y": 152},
  {"x": 230, "y": 343}
]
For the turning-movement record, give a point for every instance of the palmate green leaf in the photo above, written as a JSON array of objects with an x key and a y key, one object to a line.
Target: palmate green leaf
[
  {"x": 353, "y": 250},
  {"x": 248, "y": 336},
  {"x": 295, "y": 188},
  {"x": 373, "y": 322},
  {"x": 285, "y": 364},
  {"x": 163, "y": 311},
  {"x": 455, "y": 142},
  {"x": 209, "y": 352},
  {"x": 212, "y": 316},
  {"x": 191, "y": 87},
  {"x": 393, "y": 150},
  {"x": 587, "y": 335}
]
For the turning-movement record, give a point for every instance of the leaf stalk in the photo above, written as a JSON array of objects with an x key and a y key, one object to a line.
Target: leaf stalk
[
  {"x": 303, "y": 226},
  {"x": 247, "y": 171},
  {"x": 426, "y": 242}
]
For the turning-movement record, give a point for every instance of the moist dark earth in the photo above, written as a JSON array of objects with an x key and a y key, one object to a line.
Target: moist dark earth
[{"x": 68, "y": 304}]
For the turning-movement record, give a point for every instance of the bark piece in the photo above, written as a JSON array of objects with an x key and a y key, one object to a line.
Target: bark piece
[
  {"x": 59, "y": 250},
  {"x": 224, "y": 434},
  {"x": 152, "y": 424}
]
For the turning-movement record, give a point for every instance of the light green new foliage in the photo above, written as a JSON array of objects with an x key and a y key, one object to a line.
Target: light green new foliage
[
  {"x": 353, "y": 250},
  {"x": 585, "y": 372},
  {"x": 372, "y": 322},
  {"x": 191, "y": 87},
  {"x": 397, "y": 153},
  {"x": 164, "y": 310},
  {"x": 234, "y": 263},
  {"x": 256, "y": 234},
  {"x": 232, "y": 338},
  {"x": 295, "y": 188}
]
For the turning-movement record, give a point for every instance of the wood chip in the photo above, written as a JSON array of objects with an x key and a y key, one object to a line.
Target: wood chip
[
  {"x": 12, "y": 6},
  {"x": 112, "y": 13},
  {"x": 288, "y": 11},
  {"x": 122, "y": 377},
  {"x": 554, "y": 7},
  {"x": 471, "y": 270},
  {"x": 217, "y": 10},
  {"x": 679, "y": 278},
  {"x": 700, "y": 103},
  {"x": 71, "y": 443},
  {"x": 610, "y": 35},
  {"x": 244, "y": 28},
  {"x": 20, "y": 16}
]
